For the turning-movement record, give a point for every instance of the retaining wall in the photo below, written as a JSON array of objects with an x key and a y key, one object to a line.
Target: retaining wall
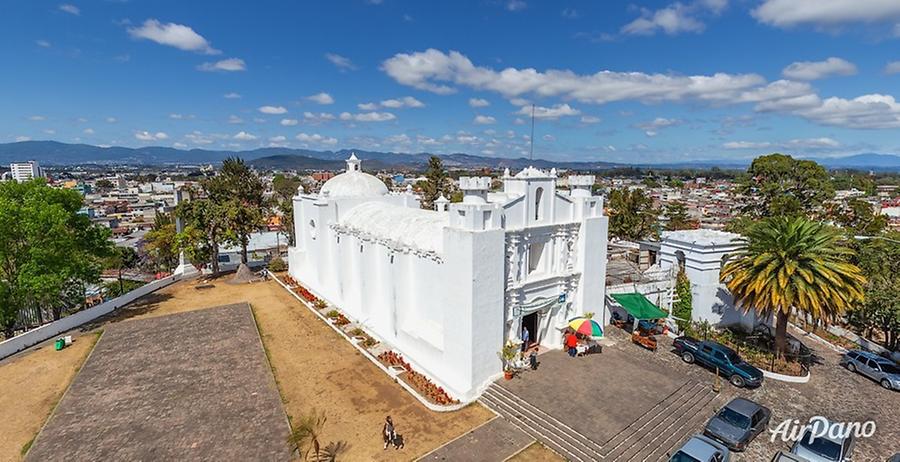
[{"x": 48, "y": 331}]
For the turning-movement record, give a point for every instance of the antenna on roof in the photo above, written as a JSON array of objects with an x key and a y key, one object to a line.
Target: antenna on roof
[{"x": 531, "y": 155}]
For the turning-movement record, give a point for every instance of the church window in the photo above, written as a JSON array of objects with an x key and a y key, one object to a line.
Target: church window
[{"x": 538, "y": 195}]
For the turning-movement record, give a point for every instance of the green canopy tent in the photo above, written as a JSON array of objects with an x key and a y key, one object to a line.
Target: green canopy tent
[{"x": 638, "y": 306}]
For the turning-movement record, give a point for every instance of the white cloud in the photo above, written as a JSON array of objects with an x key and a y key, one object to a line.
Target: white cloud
[
  {"x": 179, "y": 145},
  {"x": 88, "y": 131},
  {"x": 111, "y": 120},
  {"x": 37, "y": 118},
  {"x": 675, "y": 18},
  {"x": 289, "y": 122},
  {"x": 244, "y": 136},
  {"x": 20, "y": 139},
  {"x": 478, "y": 102},
  {"x": 484, "y": 120},
  {"x": 554, "y": 112},
  {"x": 570, "y": 13},
  {"x": 516, "y": 5},
  {"x": 71, "y": 9},
  {"x": 548, "y": 138},
  {"x": 321, "y": 98},
  {"x": 233, "y": 119},
  {"x": 652, "y": 128},
  {"x": 316, "y": 138},
  {"x": 232, "y": 95},
  {"x": 148, "y": 136},
  {"x": 225, "y": 65},
  {"x": 892, "y": 67},
  {"x": 368, "y": 116},
  {"x": 176, "y": 116},
  {"x": 433, "y": 70},
  {"x": 804, "y": 143},
  {"x": 343, "y": 63},
  {"x": 866, "y": 111},
  {"x": 590, "y": 119},
  {"x": 394, "y": 103},
  {"x": 278, "y": 139},
  {"x": 199, "y": 138},
  {"x": 49, "y": 131},
  {"x": 406, "y": 101},
  {"x": 320, "y": 117},
  {"x": 43, "y": 43},
  {"x": 274, "y": 110},
  {"x": 786, "y": 13},
  {"x": 173, "y": 35},
  {"x": 814, "y": 70}
]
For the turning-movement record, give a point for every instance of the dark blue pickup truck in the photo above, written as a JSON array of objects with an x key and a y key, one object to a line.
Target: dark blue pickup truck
[{"x": 715, "y": 355}]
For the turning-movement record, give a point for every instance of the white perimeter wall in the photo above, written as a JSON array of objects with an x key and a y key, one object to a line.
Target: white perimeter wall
[{"x": 48, "y": 331}]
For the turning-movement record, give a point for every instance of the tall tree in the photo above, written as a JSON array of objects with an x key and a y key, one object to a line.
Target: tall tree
[
  {"x": 284, "y": 189},
  {"x": 632, "y": 215},
  {"x": 677, "y": 217},
  {"x": 159, "y": 243},
  {"x": 880, "y": 262},
  {"x": 683, "y": 307},
  {"x": 786, "y": 264},
  {"x": 241, "y": 195},
  {"x": 205, "y": 228},
  {"x": 47, "y": 249},
  {"x": 779, "y": 185},
  {"x": 121, "y": 259},
  {"x": 436, "y": 182}
]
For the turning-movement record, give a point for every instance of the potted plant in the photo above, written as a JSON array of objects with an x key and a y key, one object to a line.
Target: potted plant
[{"x": 507, "y": 355}]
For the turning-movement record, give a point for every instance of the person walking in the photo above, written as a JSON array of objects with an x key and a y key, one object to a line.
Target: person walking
[
  {"x": 526, "y": 337},
  {"x": 387, "y": 432}
]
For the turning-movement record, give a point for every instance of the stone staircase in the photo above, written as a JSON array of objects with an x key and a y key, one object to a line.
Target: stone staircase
[
  {"x": 658, "y": 431},
  {"x": 649, "y": 438},
  {"x": 541, "y": 426}
]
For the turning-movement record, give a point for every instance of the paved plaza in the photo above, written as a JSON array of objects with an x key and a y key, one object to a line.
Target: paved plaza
[{"x": 187, "y": 386}]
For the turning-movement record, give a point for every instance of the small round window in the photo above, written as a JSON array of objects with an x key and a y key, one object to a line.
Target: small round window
[{"x": 312, "y": 229}]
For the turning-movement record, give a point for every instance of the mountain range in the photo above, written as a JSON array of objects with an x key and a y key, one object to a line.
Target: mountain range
[{"x": 56, "y": 153}]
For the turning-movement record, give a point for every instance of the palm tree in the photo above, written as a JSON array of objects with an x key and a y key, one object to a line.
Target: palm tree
[
  {"x": 793, "y": 263},
  {"x": 305, "y": 435}
]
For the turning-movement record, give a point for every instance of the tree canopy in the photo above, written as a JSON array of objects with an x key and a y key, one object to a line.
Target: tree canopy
[
  {"x": 779, "y": 185},
  {"x": 436, "y": 182},
  {"x": 48, "y": 251},
  {"x": 632, "y": 215}
]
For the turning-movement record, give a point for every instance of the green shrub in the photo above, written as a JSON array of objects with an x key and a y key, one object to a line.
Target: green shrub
[
  {"x": 333, "y": 314},
  {"x": 277, "y": 265}
]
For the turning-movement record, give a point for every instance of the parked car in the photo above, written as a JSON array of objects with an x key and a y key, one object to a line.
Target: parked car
[
  {"x": 824, "y": 448},
  {"x": 737, "y": 423},
  {"x": 894, "y": 458},
  {"x": 701, "y": 449},
  {"x": 715, "y": 355},
  {"x": 782, "y": 456},
  {"x": 881, "y": 370}
]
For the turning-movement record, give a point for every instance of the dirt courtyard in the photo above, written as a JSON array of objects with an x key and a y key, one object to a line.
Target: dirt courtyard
[{"x": 313, "y": 366}]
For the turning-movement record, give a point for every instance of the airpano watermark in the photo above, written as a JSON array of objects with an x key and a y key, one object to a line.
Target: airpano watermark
[{"x": 792, "y": 430}]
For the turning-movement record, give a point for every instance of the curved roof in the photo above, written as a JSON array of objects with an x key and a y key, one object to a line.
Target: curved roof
[
  {"x": 353, "y": 184},
  {"x": 409, "y": 227}
]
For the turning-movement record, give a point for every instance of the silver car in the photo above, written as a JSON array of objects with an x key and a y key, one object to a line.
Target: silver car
[
  {"x": 701, "y": 449},
  {"x": 823, "y": 448},
  {"x": 881, "y": 370}
]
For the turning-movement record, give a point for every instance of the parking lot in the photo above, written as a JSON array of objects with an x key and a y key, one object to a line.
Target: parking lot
[{"x": 633, "y": 404}]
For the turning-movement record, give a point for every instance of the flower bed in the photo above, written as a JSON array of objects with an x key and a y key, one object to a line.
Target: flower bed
[
  {"x": 338, "y": 318},
  {"x": 756, "y": 356},
  {"x": 418, "y": 381},
  {"x": 305, "y": 294}
]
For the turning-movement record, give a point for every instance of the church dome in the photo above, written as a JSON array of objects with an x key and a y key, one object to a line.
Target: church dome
[{"x": 353, "y": 183}]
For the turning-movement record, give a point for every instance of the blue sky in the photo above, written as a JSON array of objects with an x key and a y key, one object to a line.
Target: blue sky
[{"x": 641, "y": 81}]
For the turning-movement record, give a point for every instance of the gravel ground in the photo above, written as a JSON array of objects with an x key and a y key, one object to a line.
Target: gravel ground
[{"x": 832, "y": 392}]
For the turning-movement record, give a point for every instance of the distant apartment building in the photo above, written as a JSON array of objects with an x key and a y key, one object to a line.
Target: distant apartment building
[{"x": 24, "y": 171}]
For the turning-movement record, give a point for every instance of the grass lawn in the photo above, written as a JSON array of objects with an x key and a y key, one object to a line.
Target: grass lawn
[{"x": 314, "y": 367}]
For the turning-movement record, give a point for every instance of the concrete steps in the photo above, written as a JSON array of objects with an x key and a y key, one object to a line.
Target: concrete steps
[
  {"x": 543, "y": 427},
  {"x": 665, "y": 425}
]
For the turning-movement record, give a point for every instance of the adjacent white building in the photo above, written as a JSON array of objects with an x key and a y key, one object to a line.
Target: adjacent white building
[
  {"x": 24, "y": 171},
  {"x": 446, "y": 288}
]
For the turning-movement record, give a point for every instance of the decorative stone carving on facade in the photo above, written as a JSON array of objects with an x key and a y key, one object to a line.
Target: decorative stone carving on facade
[{"x": 393, "y": 246}]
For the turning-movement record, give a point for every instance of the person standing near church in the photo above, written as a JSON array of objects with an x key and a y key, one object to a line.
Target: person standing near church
[
  {"x": 525, "y": 338},
  {"x": 571, "y": 344}
]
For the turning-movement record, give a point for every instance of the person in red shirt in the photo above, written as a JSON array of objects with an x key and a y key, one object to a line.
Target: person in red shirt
[{"x": 571, "y": 343}]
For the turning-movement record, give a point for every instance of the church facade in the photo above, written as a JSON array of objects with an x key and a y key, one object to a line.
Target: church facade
[{"x": 446, "y": 288}]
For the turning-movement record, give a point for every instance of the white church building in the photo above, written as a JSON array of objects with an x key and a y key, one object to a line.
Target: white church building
[{"x": 446, "y": 288}]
